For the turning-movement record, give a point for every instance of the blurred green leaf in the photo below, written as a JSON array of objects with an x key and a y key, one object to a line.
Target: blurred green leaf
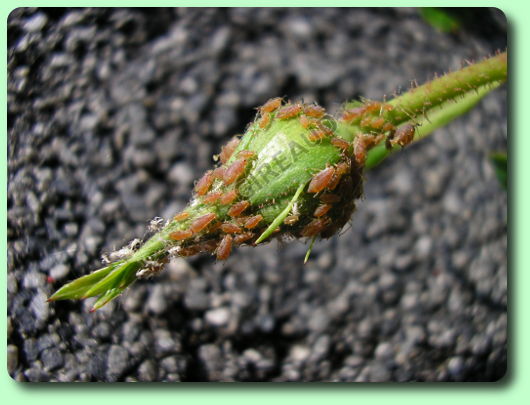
[
  {"x": 500, "y": 163},
  {"x": 439, "y": 19}
]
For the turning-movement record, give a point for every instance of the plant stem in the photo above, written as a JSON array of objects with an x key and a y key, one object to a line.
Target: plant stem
[{"x": 448, "y": 87}]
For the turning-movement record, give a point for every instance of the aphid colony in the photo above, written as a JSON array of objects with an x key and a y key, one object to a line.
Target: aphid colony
[
  {"x": 368, "y": 117},
  {"x": 228, "y": 219}
]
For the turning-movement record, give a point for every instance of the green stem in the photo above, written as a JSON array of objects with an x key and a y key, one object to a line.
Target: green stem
[
  {"x": 442, "y": 100},
  {"x": 449, "y": 87}
]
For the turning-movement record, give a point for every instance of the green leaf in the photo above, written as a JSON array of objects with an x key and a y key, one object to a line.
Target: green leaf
[
  {"x": 500, "y": 163},
  {"x": 77, "y": 289},
  {"x": 439, "y": 19},
  {"x": 121, "y": 277}
]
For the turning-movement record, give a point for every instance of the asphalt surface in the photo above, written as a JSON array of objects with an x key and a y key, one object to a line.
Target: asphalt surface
[{"x": 113, "y": 113}]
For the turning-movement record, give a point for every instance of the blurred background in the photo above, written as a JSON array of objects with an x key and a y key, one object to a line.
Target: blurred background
[{"x": 113, "y": 113}]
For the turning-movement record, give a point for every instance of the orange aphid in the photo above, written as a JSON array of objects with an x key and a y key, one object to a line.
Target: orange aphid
[
  {"x": 304, "y": 121},
  {"x": 204, "y": 183},
  {"x": 322, "y": 210},
  {"x": 236, "y": 209},
  {"x": 224, "y": 248},
  {"x": 246, "y": 154},
  {"x": 403, "y": 135},
  {"x": 329, "y": 198},
  {"x": 212, "y": 197},
  {"x": 388, "y": 127},
  {"x": 227, "y": 227},
  {"x": 202, "y": 222},
  {"x": 372, "y": 106},
  {"x": 359, "y": 149},
  {"x": 228, "y": 149},
  {"x": 228, "y": 197},
  {"x": 181, "y": 216},
  {"x": 289, "y": 111},
  {"x": 219, "y": 172},
  {"x": 324, "y": 128},
  {"x": 243, "y": 237},
  {"x": 271, "y": 105},
  {"x": 181, "y": 235},
  {"x": 321, "y": 180},
  {"x": 378, "y": 123},
  {"x": 340, "y": 143},
  {"x": 314, "y": 111},
  {"x": 352, "y": 114},
  {"x": 253, "y": 221},
  {"x": 315, "y": 227},
  {"x": 235, "y": 170},
  {"x": 316, "y": 135},
  {"x": 264, "y": 121},
  {"x": 366, "y": 122},
  {"x": 291, "y": 219},
  {"x": 340, "y": 169}
]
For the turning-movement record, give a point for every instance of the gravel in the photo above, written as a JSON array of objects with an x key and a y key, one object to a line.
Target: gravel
[{"x": 112, "y": 113}]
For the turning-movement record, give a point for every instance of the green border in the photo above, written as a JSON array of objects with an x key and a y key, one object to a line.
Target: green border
[{"x": 511, "y": 389}]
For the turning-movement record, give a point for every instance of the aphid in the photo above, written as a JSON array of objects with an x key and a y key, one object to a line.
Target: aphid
[
  {"x": 289, "y": 111},
  {"x": 219, "y": 172},
  {"x": 291, "y": 219},
  {"x": 359, "y": 149},
  {"x": 352, "y": 114},
  {"x": 324, "y": 128},
  {"x": 403, "y": 135},
  {"x": 362, "y": 143},
  {"x": 340, "y": 169},
  {"x": 314, "y": 111},
  {"x": 304, "y": 121},
  {"x": 253, "y": 221},
  {"x": 243, "y": 237},
  {"x": 227, "y": 227},
  {"x": 201, "y": 247},
  {"x": 181, "y": 216},
  {"x": 329, "y": 198},
  {"x": 235, "y": 170},
  {"x": 366, "y": 122},
  {"x": 377, "y": 123},
  {"x": 204, "y": 184},
  {"x": 388, "y": 127},
  {"x": 181, "y": 235},
  {"x": 372, "y": 106},
  {"x": 202, "y": 222},
  {"x": 340, "y": 143},
  {"x": 224, "y": 248},
  {"x": 321, "y": 180},
  {"x": 246, "y": 154},
  {"x": 322, "y": 210},
  {"x": 315, "y": 227},
  {"x": 228, "y": 149},
  {"x": 189, "y": 250},
  {"x": 316, "y": 135},
  {"x": 212, "y": 197},
  {"x": 228, "y": 197},
  {"x": 271, "y": 105},
  {"x": 208, "y": 245},
  {"x": 264, "y": 121},
  {"x": 236, "y": 209}
]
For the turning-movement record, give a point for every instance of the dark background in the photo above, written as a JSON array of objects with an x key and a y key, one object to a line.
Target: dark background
[{"x": 113, "y": 113}]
